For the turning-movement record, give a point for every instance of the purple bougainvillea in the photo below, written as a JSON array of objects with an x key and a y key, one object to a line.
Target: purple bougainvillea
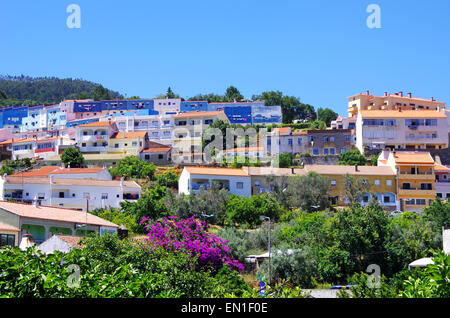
[{"x": 191, "y": 235}]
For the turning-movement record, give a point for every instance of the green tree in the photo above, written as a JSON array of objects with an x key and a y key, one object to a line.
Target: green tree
[
  {"x": 151, "y": 204},
  {"x": 352, "y": 158},
  {"x": 170, "y": 93},
  {"x": 309, "y": 192},
  {"x": 232, "y": 93},
  {"x": 73, "y": 157},
  {"x": 246, "y": 211},
  {"x": 291, "y": 107},
  {"x": 409, "y": 238},
  {"x": 361, "y": 232},
  {"x": 326, "y": 115},
  {"x": 355, "y": 188},
  {"x": 100, "y": 93},
  {"x": 437, "y": 215},
  {"x": 133, "y": 167},
  {"x": 317, "y": 125}
]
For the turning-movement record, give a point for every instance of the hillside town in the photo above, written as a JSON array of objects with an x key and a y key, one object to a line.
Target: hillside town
[{"x": 390, "y": 149}]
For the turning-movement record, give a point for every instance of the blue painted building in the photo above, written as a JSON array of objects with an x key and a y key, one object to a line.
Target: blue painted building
[
  {"x": 193, "y": 106},
  {"x": 239, "y": 115},
  {"x": 11, "y": 117},
  {"x": 73, "y": 123}
]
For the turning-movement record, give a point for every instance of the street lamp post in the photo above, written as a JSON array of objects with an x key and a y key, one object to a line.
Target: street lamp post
[{"x": 263, "y": 218}]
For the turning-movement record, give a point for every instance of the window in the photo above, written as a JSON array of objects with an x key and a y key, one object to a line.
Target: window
[
  {"x": 7, "y": 239},
  {"x": 439, "y": 195},
  {"x": 239, "y": 185},
  {"x": 332, "y": 151},
  {"x": 104, "y": 196},
  {"x": 290, "y": 141},
  {"x": 410, "y": 201},
  {"x": 333, "y": 183},
  {"x": 147, "y": 157},
  {"x": 310, "y": 138},
  {"x": 160, "y": 157},
  {"x": 325, "y": 151},
  {"x": 316, "y": 151},
  {"x": 134, "y": 143},
  {"x": 299, "y": 141},
  {"x": 116, "y": 145},
  {"x": 377, "y": 182},
  {"x": 347, "y": 138},
  {"x": 325, "y": 139},
  {"x": 365, "y": 198},
  {"x": 257, "y": 184},
  {"x": 389, "y": 183},
  {"x": 342, "y": 150},
  {"x": 387, "y": 199},
  {"x": 421, "y": 202},
  {"x": 331, "y": 139},
  {"x": 41, "y": 196}
]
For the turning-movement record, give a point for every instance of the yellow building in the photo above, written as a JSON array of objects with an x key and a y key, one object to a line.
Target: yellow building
[
  {"x": 130, "y": 143},
  {"x": 381, "y": 181},
  {"x": 416, "y": 179}
]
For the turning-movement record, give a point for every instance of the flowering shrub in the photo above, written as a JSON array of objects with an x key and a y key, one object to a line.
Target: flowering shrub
[{"x": 191, "y": 235}]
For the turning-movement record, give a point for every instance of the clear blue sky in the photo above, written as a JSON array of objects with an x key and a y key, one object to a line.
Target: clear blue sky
[{"x": 321, "y": 50}]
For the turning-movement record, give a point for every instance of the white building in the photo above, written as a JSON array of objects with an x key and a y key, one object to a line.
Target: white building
[
  {"x": 69, "y": 188},
  {"x": 401, "y": 129},
  {"x": 194, "y": 179}
]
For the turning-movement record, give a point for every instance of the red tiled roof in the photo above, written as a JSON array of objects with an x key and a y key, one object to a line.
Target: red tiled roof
[
  {"x": 129, "y": 135},
  {"x": 199, "y": 114},
  {"x": 54, "y": 214},
  {"x": 47, "y": 170}
]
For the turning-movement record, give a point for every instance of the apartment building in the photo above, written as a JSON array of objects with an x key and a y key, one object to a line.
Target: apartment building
[
  {"x": 315, "y": 142},
  {"x": 167, "y": 105},
  {"x": 68, "y": 192},
  {"x": 40, "y": 148},
  {"x": 344, "y": 123},
  {"x": 189, "y": 128},
  {"x": 359, "y": 102},
  {"x": 401, "y": 129},
  {"x": 159, "y": 127},
  {"x": 442, "y": 181},
  {"x": 95, "y": 137},
  {"x": 416, "y": 187}
]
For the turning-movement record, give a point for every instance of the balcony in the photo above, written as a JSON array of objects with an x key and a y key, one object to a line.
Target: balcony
[
  {"x": 419, "y": 176},
  {"x": 416, "y": 192}
]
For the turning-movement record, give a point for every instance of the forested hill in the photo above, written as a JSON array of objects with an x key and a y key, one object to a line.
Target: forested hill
[{"x": 17, "y": 90}]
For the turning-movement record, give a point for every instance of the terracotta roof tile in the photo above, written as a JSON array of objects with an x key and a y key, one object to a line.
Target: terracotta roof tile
[
  {"x": 217, "y": 171},
  {"x": 199, "y": 114},
  {"x": 413, "y": 158},
  {"x": 54, "y": 214},
  {"x": 402, "y": 114}
]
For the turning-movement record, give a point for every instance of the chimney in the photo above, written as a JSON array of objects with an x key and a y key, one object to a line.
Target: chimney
[
  {"x": 356, "y": 168},
  {"x": 385, "y": 94},
  {"x": 367, "y": 92},
  {"x": 401, "y": 94},
  {"x": 432, "y": 98},
  {"x": 409, "y": 95},
  {"x": 35, "y": 202}
]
